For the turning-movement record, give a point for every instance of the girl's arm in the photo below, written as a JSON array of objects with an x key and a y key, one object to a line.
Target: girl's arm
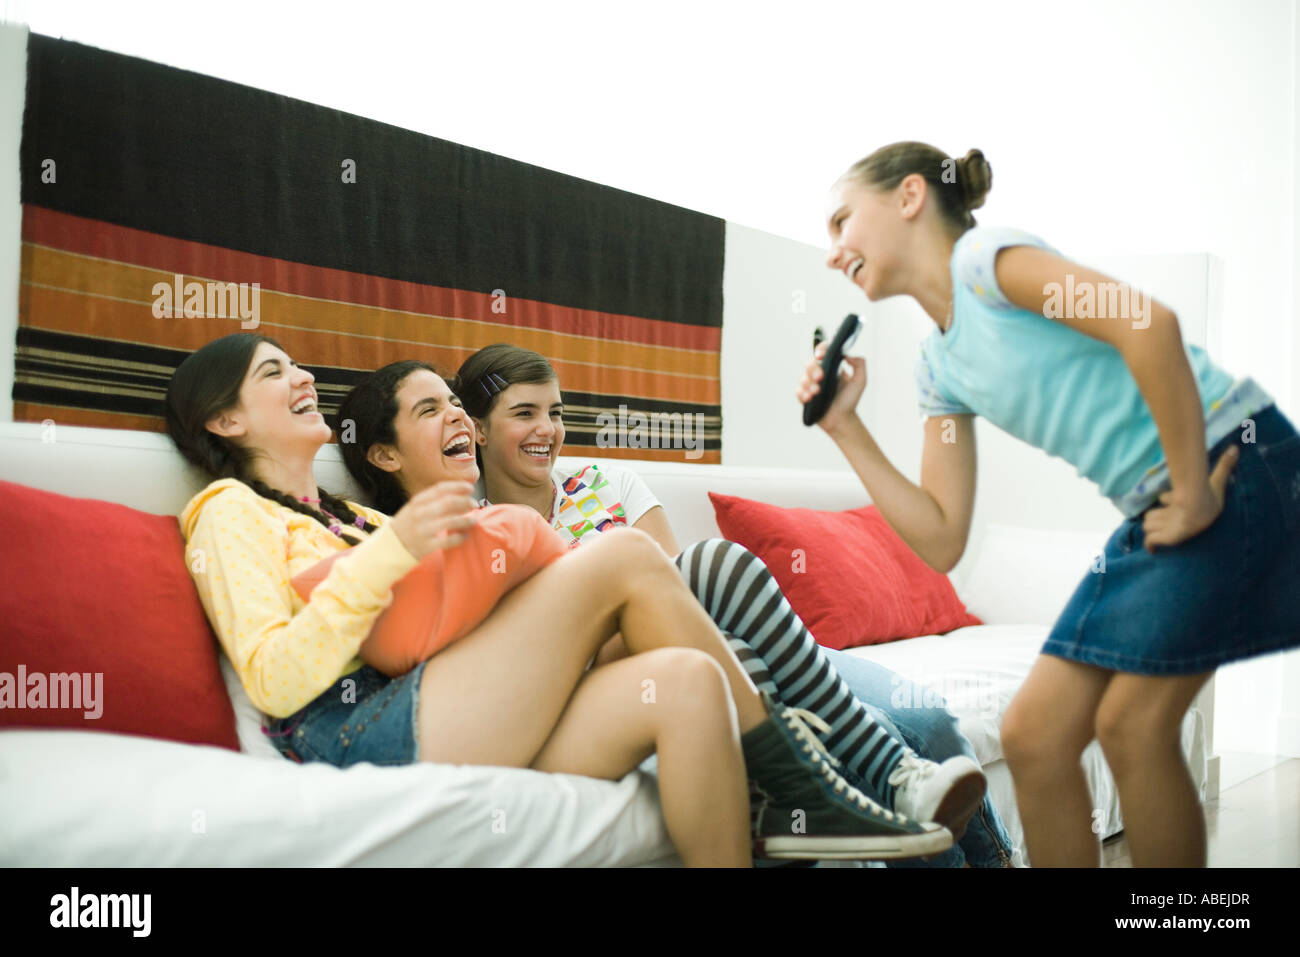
[
  {"x": 933, "y": 518},
  {"x": 655, "y": 524},
  {"x": 236, "y": 556},
  {"x": 1152, "y": 348}
]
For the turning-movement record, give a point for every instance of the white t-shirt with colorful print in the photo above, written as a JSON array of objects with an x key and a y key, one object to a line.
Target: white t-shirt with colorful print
[{"x": 593, "y": 500}]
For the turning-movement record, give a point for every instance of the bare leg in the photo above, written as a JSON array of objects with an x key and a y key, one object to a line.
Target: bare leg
[
  {"x": 1047, "y": 726},
  {"x": 1139, "y": 724},
  {"x": 676, "y": 702},
  {"x": 494, "y": 696}
]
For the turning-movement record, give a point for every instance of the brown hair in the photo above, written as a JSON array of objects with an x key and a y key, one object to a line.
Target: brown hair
[
  {"x": 207, "y": 383},
  {"x": 371, "y": 408},
  {"x": 958, "y": 185},
  {"x": 487, "y": 373}
]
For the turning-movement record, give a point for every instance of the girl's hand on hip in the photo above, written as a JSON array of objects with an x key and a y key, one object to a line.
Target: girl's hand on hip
[
  {"x": 437, "y": 517},
  {"x": 852, "y": 384},
  {"x": 1181, "y": 516}
]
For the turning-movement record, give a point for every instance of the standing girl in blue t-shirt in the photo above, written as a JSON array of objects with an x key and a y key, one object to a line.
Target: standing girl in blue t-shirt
[{"x": 1205, "y": 469}]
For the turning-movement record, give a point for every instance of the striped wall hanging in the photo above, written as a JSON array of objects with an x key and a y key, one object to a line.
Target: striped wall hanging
[{"x": 163, "y": 209}]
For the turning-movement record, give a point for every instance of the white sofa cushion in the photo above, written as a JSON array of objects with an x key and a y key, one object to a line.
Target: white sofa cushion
[{"x": 89, "y": 799}]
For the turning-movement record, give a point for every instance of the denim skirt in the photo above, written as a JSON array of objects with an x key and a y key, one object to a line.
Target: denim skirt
[
  {"x": 1231, "y": 592},
  {"x": 363, "y": 717}
]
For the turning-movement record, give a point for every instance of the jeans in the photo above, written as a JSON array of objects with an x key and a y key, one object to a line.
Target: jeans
[{"x": 932, "y": 733}]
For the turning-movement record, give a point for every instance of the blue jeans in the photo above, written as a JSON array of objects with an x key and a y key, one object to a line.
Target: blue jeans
[
  {"x": 932, "y": 733},
  {"x": 364, "y": 716}
]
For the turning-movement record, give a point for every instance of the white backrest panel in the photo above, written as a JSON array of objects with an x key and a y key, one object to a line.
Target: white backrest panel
[
  {"x": 683, "y": 490},
  {"x": 140, "y": 469},
  {"x": 143, "y": 470}
]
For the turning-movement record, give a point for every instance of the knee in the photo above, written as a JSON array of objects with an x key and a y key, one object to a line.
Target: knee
[
  {"x": 629, "y": 550},
  {"x": 931, "y": 729},
  {"x": 1028, "y": 745},
  {"x": 683, "y": 679},
  {"x": 1127, "y": 737},
  {"x": 1019, "y": 741}
]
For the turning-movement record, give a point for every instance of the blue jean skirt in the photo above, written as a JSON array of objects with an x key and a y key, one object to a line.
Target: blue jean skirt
[
  {"x": 1231, "y": 592},
  {"x": 363, "y": 717}
]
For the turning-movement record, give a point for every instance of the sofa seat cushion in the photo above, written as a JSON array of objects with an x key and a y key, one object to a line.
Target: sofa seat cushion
[
  {"x": 65, "y": 802},
  {"x": 975, "y": 670}
]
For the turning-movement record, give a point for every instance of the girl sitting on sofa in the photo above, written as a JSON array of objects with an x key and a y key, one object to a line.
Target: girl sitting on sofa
[
  {"x": 514, "y": 397},
  {"x": 512, "y": 692}
]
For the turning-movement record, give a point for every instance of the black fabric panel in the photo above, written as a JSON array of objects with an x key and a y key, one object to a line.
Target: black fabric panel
[
  {"x": 156, "y": 148},
  {"x": 126, "y": 368}
]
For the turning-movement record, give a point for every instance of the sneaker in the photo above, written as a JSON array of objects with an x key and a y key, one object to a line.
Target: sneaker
[
  {"x": 808, "y": 810},
  {"x": 948, "y": 793}
]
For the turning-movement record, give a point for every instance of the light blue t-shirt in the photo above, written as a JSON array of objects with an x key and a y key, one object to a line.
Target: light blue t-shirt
[{"x": 1057, "y": 389}]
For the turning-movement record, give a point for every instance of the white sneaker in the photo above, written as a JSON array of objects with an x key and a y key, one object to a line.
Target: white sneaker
[{"x": 948, "y": 793}]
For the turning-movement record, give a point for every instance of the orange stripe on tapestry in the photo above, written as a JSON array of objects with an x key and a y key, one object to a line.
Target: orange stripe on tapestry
[
  {"x": 129, "y": 285},
  {"x": 81, "y": 314},
  {"x": 105, "y": 241}
]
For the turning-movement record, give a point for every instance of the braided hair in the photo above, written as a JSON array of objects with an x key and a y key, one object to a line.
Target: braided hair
[{"x": 207, "y": 383}]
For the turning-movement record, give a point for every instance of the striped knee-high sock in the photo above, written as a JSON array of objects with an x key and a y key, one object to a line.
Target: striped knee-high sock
[{"x": 783, "y": 659}]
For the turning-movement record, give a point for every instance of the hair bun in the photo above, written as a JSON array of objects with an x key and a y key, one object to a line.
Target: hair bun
[{"x": 976, "y": 178}]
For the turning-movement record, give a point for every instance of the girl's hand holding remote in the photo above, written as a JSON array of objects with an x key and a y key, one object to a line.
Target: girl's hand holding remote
[
  {"x": 1181, "y": 516},
  {"x": 436, "y": 517},
  {"x": 852, "y": 384}
]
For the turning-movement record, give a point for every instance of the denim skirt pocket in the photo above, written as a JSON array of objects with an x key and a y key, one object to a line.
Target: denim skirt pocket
[{"x": 1281, "y": 460}]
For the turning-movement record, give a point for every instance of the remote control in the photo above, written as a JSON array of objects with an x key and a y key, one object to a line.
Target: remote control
[{"x": 816, "y": 407}]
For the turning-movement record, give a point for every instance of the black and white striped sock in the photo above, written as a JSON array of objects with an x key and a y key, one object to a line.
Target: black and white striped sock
[{"x": 782, "y": 658}]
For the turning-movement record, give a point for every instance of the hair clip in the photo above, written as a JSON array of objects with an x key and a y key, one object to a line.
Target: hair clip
[{"x": 491, "y": 384}]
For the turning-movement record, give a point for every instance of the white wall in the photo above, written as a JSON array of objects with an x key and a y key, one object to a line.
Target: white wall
[{"x": 775, "y": 291}]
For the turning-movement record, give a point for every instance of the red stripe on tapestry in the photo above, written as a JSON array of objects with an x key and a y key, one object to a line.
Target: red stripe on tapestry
[{"x": 103, "y": 240}]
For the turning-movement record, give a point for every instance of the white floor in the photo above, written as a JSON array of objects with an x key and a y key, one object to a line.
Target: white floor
[{"x": 1238, "y": 766}]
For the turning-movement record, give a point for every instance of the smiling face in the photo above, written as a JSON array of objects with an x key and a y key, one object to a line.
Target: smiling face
[
  {"x": 435, "y": 436},
  {"x": 276, "y": 412},
  {"x": 523, "y": 432},
  {"x": 868, "y": 231}
]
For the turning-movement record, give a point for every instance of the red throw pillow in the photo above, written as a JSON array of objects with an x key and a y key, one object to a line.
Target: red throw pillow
[
  {"x": 444, "y": 597},
  {"x": 848, "y": 575},
  {"x": 100, "y": 591}
]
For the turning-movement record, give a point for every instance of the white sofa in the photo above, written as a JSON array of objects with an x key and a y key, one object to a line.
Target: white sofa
[{"x": 86, "y": 798}]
